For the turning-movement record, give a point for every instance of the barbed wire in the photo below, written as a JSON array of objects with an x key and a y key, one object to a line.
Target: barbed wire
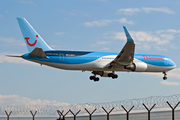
[{"x": 160, "y": 101}]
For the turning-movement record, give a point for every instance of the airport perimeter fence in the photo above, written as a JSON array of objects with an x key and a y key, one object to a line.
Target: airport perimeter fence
[
  {"x": 164, "y": 107},
  {"x": 163, "y": 115}
]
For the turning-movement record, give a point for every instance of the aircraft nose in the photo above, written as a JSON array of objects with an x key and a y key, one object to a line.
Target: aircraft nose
[{"x": 173, "y": 64}]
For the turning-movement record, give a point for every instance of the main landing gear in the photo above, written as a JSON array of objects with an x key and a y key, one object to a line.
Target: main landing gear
[
  {"x": 103, "y": 74},
  {"x": 114, "y": 76},
  {"x": 94, "y": 78},
  {"x": 165, "y": 77}
]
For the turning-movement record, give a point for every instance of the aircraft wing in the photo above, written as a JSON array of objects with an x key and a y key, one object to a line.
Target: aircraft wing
[{"x": 126, "y": 56}]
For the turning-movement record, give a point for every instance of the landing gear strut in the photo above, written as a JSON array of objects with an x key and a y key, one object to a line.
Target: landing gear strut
[{"x": 165, "y": 77}]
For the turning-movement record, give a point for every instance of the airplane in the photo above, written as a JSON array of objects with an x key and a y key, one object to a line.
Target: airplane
[{"x": 100, "y": 63}]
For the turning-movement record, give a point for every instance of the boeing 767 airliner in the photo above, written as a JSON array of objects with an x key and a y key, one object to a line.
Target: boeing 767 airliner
[{"x": 100, "y": 63}]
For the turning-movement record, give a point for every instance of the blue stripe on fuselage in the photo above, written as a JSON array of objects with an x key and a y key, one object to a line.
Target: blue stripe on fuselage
[
  {"x": 70, "y": 57},
  {"x": 78, "y": 57}
]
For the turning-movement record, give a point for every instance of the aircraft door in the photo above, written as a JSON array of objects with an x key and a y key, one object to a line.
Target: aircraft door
[
  {"x": 166, "y": 61},
  {"x": 98, "y": 58},
  {"x": 61, "y": 57}
]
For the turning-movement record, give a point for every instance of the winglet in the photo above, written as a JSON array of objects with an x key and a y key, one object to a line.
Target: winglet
[{"x": 129, "y": 38}]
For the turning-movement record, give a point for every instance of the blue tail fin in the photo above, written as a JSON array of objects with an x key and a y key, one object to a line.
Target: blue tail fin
[{"x": 31, "y": 37}]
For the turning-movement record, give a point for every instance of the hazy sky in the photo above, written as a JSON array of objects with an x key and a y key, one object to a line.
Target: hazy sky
[{"x": 88, "y": 25}]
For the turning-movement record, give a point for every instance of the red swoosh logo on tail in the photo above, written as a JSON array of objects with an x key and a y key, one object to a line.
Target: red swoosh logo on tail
[{"x": 27, "y": 38}]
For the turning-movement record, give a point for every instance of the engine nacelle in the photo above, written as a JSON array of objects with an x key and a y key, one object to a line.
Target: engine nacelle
[
  {"x": 137, "y": 67},
  {"x": 140, "y": 67}
]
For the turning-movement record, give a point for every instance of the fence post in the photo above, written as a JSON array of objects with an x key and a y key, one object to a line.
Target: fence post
[
  {"x": 74, "y": 114},
  {"x": 107, "y": 112},
  {"x": 59, "y": 114},
  {"x": 127, "y": 111},
  {"x": 62, "y": 114},
  {"x": 33, "y": 114},
  {"x": 149, "y": 110},
  {"x": 173, "y": 108},
  {"x": 8, "y": 114},
  {"x": 90, "y": 114}
]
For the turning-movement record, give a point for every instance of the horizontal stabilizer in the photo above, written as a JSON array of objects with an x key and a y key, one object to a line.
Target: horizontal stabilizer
[
  {"x": 13, "y": 56},
  {"x": 38, "y": 52}
]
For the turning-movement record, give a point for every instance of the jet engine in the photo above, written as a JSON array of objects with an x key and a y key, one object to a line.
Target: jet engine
[{"x": 137, "y": 67}]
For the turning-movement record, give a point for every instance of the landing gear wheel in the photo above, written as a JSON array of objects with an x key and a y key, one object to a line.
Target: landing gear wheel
[
  {"x": 115, "y": 76},
  {"x": 164, "y": 78},
  {"x": 96, "y": 79},
  {"x": 92, "y": 77},
  {"x": 110, "y": 75}
]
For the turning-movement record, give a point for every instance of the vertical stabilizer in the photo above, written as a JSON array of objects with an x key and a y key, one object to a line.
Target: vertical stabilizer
[{"x": 31, "y": 37}]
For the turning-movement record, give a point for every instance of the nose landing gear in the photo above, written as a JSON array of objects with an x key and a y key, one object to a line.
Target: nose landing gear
[{"x": 165, "y": 77}]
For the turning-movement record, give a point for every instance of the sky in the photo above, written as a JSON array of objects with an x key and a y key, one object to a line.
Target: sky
[{"x": 87, "y": 25}]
